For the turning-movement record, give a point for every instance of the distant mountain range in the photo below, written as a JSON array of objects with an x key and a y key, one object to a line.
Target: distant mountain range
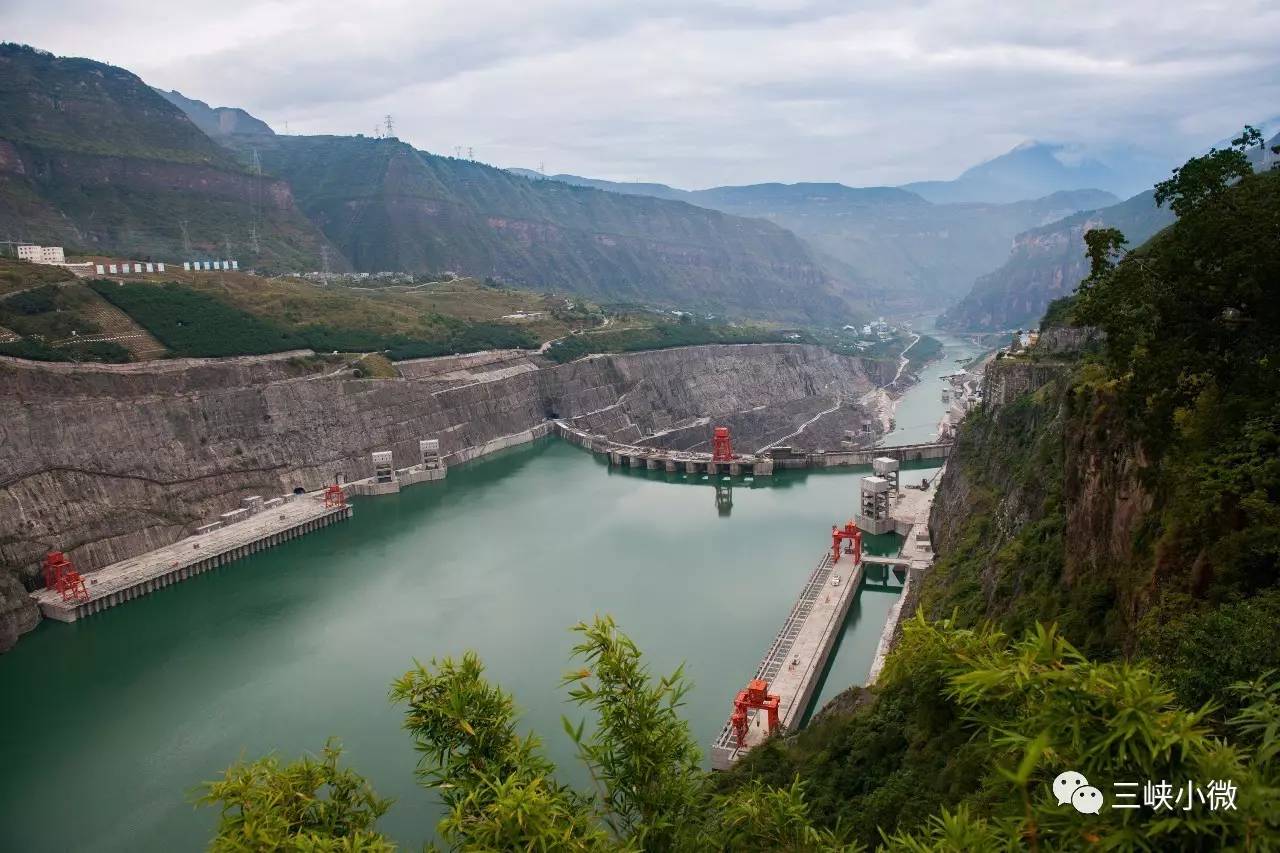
[
  {"x": 94, "y": 159},
  {"x": 904, "y": 252},
  {"x": 1050, "y": 262},
  {"x": 1047, "y": 263},
  {"x": 1031, "y": 170},
  {"x": 389, "y": 206}
]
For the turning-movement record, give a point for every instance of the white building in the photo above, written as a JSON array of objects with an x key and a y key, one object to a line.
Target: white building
[{"x": 42, "y": 254}]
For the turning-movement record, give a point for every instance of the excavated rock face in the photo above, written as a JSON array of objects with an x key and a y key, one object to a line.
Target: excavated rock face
[
  {"x": 18, "y": 612},
  {"x": 106, "y": 462}
]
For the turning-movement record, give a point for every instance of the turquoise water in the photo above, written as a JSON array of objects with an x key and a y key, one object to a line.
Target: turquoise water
[
  {"x": 107, "y": 725},
  {"x": 117, "y": 717}
]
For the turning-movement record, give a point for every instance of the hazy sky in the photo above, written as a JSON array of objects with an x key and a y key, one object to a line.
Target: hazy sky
[{"x": 703, "y": 93}]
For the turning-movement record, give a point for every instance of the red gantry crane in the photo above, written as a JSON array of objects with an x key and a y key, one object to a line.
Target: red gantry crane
[
  {"x": 721, "y": 445},
  {"x": 853, "y": 534},
  {"x": 755, "y": 696},
  {"x": 60, "y": 574},
  {"x": 334, "y": 496}
]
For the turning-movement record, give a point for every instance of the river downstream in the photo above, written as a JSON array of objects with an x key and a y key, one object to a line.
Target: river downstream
[{"x": 108, "y": 724}]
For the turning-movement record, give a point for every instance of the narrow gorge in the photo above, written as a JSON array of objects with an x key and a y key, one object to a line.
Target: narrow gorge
[{"x": 107, "y": 462}]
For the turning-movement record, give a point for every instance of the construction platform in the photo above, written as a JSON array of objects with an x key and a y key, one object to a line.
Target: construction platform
[
  {"x": 798, "y": 656},
  {"x": 138, "y": 576}
]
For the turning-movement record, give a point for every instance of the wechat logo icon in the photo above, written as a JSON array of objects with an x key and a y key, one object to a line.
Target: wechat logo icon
[{"x": 1071, "y": 787}]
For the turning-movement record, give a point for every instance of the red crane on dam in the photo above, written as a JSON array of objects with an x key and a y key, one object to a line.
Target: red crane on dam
[
  {"x": 756, "y": 696},
  {"x": 721, "y": 445},
  {"x": 61, "y": 574},
  {"x": 850, "y": 533},
  {"x": 334, "y": 496}
]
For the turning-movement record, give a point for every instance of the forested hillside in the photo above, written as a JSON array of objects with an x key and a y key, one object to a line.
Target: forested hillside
[
  {"x": 93, "y": 159},
  {"x": 1047, "y": 263},
  {"x": 895, "y": 250},
  {"x": 389, "y": 206},
  {"x": 1122, "y": 484}
]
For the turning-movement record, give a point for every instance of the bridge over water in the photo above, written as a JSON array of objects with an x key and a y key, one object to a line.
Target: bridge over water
[{"x": 756, "y": 464}]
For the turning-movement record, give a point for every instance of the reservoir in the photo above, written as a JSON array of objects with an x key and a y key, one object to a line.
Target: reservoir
[{"x": 107, "y": 725}]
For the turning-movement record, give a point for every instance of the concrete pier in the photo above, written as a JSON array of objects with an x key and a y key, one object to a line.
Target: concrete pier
[
  {"x": 141, "y": 575},
  {"x": 746, "y": 464},
  {"x": 662, "y": 459},
  {"x": 795, "y": 661}
]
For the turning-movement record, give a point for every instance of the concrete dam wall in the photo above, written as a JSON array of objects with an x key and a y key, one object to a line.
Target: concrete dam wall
[{"x": 109, "y": 461}]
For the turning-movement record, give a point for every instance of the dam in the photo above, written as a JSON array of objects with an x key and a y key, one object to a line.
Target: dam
[{"x": 284, "y": 648}]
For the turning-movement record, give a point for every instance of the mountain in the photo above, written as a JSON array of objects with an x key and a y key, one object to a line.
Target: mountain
[
  {"x": 388, "y": 206},
  {"x": 1031, "y": 170},
  {"x": 1048, "y": 262},
  {"x": 93, "y": 159},
  {"x": 913, "y": 252},
  {"x": 216, "y": 121},
  {"x": 905, "y": 252}
]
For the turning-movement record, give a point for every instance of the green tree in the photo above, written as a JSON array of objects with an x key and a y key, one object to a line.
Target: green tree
[
  {"x": 650, "y": 792},
  {"x": 1104, "y": 246},
  {"x": 309, "y": 806},
  {"x": 1203, "y": 178}
]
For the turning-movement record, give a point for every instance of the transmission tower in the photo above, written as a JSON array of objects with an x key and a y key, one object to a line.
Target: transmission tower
[
  {"x": 257, "y": 189},
  {"x": 457, "y": 151},
  {"x": 324, "y": 261},
  {"x": 186, "y": 238},
  {"x": 471, "y": 153},
  {"x": 226, "y": 242},
  {"x": 391, "y": 134}
]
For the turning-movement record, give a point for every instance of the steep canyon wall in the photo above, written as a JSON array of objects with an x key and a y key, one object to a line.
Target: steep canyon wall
[{"x": 106, "y": 462}]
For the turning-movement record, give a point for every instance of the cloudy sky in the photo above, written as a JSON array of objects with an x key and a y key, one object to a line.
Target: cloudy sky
[{"x": 703, "y": 93}]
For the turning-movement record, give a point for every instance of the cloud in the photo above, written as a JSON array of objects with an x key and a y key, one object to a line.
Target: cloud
[{"x": 698, "y": 94}]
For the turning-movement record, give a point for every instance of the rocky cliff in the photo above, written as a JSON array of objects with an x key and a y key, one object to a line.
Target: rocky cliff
[
  {"x": 106, "y": 462},
  {"x": 1041, "y": 503}
]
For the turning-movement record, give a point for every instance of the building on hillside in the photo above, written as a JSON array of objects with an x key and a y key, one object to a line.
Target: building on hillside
[{"x": 41, "y": 254}]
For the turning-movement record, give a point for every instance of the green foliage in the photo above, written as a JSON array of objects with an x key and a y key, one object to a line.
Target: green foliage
[
  {"x": 641, "y": 753},
  {"x": 33, "y": 350},
  {"x": 1018, "y": 713},
  {"x": 1193, "y": 337},
  {"x": 924, "y": 351},
  {"x": 1103, "y": 246},
  {"x": 309, "y": 806},
  {"x": 1203, "y": 179},
  {"x": 194, "y": 323},
  {"x": 650, "y": 792},
  {"x": 1203, "y": 649},
  {"x": 48, "y": 319},
  {"x": 108, "y": 352},
  {"x": 1061, "y": 312},
  {"x": 35, "y": 301}
]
